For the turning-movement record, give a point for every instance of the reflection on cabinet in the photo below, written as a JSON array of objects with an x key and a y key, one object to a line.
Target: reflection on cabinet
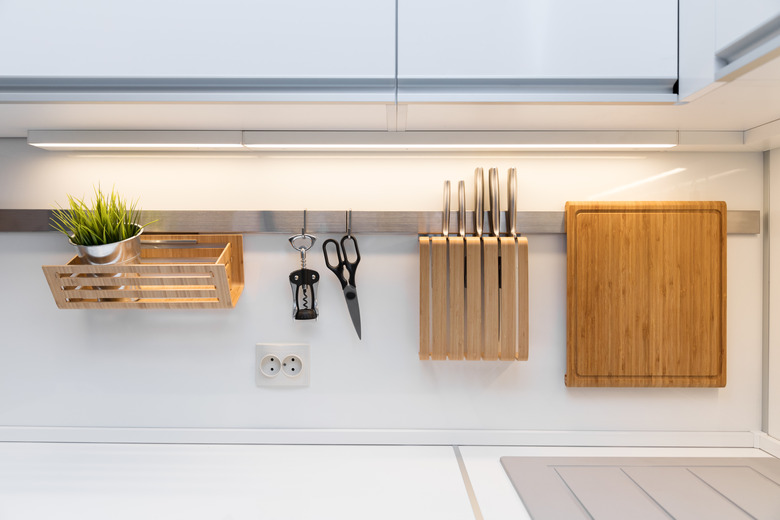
[
  {"x": 719, "y": 41},
  {"x": 746, "y": 32},
  {"x": 246, "y": 50},
  {"x": 501, "y": 50},
  {"x": 736, "y": 19}
]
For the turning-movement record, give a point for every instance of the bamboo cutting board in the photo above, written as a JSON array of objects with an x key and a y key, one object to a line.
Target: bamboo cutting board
[{"x": 646, "y": 294}]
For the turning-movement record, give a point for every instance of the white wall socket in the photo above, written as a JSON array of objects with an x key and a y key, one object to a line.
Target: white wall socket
[{"x": 280, "y": 364}]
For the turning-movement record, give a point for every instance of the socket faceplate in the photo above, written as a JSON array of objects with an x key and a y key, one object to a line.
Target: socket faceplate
[{"x": 295, "y": 364}]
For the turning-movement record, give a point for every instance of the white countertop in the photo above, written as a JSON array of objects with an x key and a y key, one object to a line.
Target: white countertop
[
  {"x": 197, "y": 481},
  {"x": 192, "y": 482}
]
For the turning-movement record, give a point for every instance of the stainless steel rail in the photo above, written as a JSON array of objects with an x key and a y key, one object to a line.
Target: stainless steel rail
[{"x": 364, "y": 222}]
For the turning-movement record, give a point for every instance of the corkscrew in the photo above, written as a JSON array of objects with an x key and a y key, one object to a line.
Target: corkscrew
[{"x": 303, "y": 281}]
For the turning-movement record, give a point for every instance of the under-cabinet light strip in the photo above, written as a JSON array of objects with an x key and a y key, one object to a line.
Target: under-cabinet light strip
[
  {"x": 348, "y": 141},
  {"x": 118, "y": 140},
  {"x": 452, "y": 141},
  {"x": 433, "y": 147},
  {"x": 136, "y": 146}
]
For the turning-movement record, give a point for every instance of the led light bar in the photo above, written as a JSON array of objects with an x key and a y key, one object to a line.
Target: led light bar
[
  {"x": 117, "y": 140},
  {"x": 150, "y": 140}
]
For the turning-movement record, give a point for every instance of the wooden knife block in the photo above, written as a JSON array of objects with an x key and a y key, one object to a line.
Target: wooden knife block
[{"x": 474, "y": 298}]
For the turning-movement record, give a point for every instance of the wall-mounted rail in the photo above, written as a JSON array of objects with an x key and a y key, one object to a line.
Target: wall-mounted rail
[{"x": 364, "y": 222}]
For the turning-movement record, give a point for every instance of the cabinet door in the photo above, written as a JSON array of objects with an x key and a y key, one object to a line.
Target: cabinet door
[
  {"x": 746, "y": 31},
  {"x": 244, "y": 46},
  {"x": 507, "y": 48},
  {"x": 736, "y": 19}
]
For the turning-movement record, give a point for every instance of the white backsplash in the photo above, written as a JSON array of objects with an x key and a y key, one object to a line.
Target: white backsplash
[{"x": 194, "y": 369}]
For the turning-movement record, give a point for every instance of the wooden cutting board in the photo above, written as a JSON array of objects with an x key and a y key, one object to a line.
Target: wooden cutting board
[{"x": 646, "y": 294}]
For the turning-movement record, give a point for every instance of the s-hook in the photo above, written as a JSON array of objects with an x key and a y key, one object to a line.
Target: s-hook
[{"x": 303, "y": 282}]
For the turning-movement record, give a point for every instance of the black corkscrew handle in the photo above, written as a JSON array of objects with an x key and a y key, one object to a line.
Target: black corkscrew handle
[{"x": 303, "y": 283}]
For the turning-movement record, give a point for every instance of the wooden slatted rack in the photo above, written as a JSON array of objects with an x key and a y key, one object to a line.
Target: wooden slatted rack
[{"x": 175, "y": 272}]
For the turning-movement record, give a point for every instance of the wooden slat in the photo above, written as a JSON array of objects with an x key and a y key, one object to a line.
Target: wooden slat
[
  {"x": 457, "y": 277},
  {"x": 474, "y": 336},
  {"x": 235, "y": 267},
  {"x": 490, "y": 292},
  {"x": 425, "y": 298},
  {"x": 182, "y": 253},
  {"x": 222, "y": 285},
  {"x": 508, "y": 322},
  {"x": 439, "y": 327},
  {"x": 646, "y": 294},
  {"x": 523, "y": 321},
  {"x": 179, "y": 293},
  {"x": 65, "y": 281},
  {"x": 152, "y": 304},
  {"x": 54, "y": 284},
  {"x": 151, "y": 269}
]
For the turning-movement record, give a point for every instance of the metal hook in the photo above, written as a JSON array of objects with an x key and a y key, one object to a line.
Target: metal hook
[
  {"x": 349, "y": 223},
  {"x": 303, "y": 241}
]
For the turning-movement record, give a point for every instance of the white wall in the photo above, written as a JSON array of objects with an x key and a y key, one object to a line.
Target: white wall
[
  {"x": 195, "y": 368},
  {"x": 773, "y": 355}
]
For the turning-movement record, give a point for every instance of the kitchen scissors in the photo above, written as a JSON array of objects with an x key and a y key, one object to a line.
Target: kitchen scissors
[{"x": 345, "y": 270}]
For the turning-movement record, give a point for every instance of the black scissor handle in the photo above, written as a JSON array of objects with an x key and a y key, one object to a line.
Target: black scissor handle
[
  {"x": 351, "y": 265},
  {"x": 352, "y": 239},
  {"x": 338, "y": 268}
]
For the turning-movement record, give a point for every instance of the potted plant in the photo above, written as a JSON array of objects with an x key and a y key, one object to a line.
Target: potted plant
[{"x": 106, "y": 232}]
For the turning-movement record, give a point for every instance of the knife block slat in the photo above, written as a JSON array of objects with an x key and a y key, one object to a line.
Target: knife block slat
[{"x": 473, "y": 298}]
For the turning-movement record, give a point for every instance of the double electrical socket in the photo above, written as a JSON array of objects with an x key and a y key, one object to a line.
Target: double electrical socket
[{"x": 278, "y": 364}]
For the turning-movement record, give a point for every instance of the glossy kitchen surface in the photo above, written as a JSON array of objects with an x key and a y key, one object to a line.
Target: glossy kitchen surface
[
  {"x": 129, "y": 481},
  {"x": 194, "y": 369},
  {"x": 124, "y": 481}
]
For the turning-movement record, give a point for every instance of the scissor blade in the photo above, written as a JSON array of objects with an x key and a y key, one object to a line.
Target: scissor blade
[{"x": 350, "y": 295}]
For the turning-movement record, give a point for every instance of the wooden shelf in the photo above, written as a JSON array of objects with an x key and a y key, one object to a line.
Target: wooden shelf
[{"x": 175, "y": 272}]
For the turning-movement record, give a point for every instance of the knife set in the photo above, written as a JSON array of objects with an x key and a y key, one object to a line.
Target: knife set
[{"x": 474, "y": 290}]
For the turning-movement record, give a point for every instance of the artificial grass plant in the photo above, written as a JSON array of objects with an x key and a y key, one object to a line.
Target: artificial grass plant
[{"x": 109, "y": 219}]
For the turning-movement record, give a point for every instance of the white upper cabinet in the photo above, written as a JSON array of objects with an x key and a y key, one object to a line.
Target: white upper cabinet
[
  {"x": 736, "y": 19},
  {"x": 517, "y": 50},
  {"x": 227, "y": 49},
  {"x": 745, "y": 30},
  {"x": 721, "y": 40}
]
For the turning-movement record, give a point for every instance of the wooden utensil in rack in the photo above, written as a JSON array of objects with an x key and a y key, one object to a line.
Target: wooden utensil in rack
[
  {"x": 474, "y": 290},
  {"x": 474, "y": 337},
  {"x": 491, "y": 269},
  {"x": 514, "y": 274},
  {"x": 457, "y": 276}
]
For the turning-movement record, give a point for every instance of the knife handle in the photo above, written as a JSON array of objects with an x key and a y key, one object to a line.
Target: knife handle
[
  {"x": 478, "y": 213},
  {"x": 495, "y": 205},
  {"x": 511, "y": 210}
]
